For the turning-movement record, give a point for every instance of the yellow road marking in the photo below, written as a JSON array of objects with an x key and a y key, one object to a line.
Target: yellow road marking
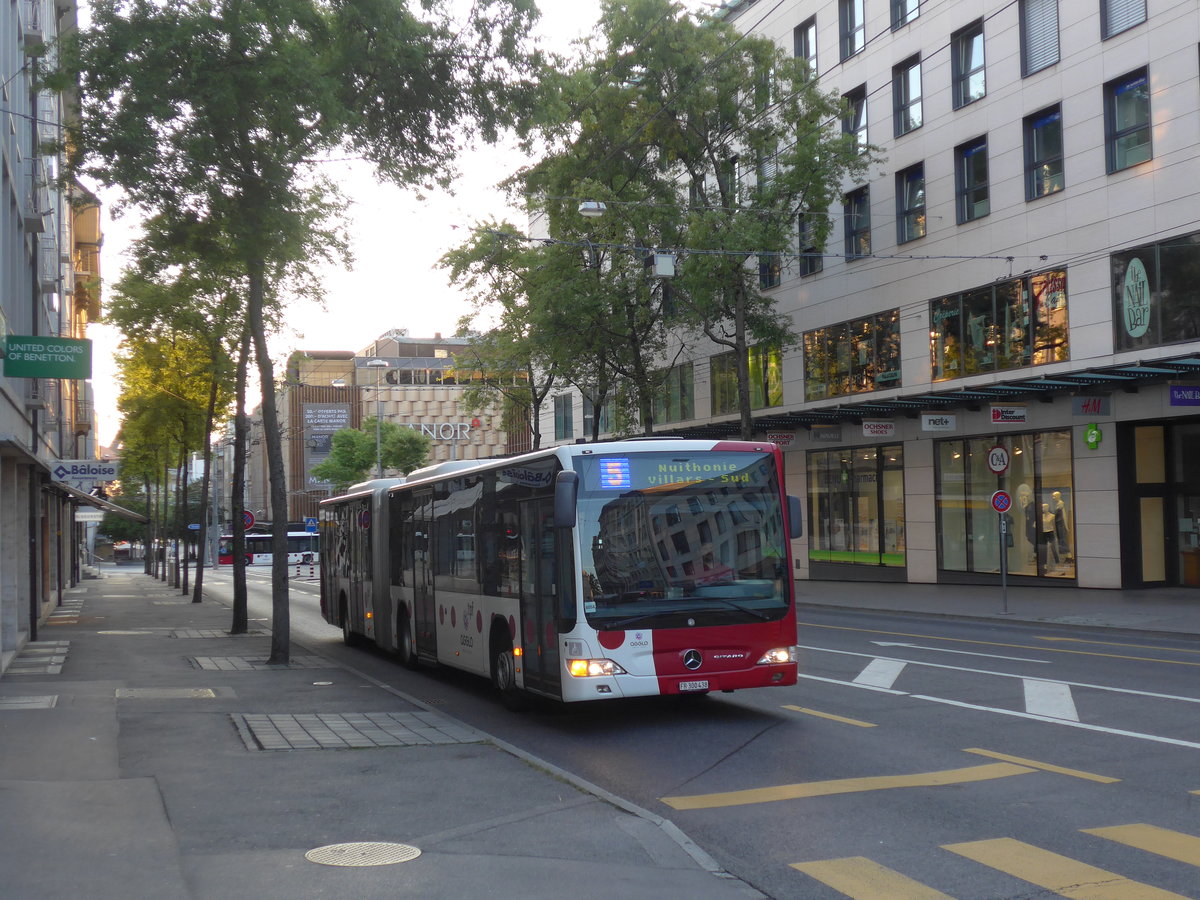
[
  {"x": 1045, "y": 767},
  {"x": 863, "y": 879},
  {"x": 930, "y": 637},
  {"x": 1184, "y": 848},
  {"x": 1071, "y": 640},
  {"x": 846, "y": 786},
  {"x": 825, "y": 715},
  {"x": 1065, "y": 876}
]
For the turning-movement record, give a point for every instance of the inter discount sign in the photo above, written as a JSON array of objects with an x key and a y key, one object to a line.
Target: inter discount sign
[{"x": 47, "y": 357}]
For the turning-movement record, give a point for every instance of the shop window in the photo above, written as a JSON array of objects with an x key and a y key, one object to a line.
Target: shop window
[
  {"x": 856, "y": 505},
  {"x": 1127, "y": 120},
  {"x": 1039, "y": 528},
  {"x": 967, "y": 67},
  {"x": 1039, "y": 35},
  {"x": 853, "y": 357},
  {"x": 1155, "y": 301},
  {"x": 1006, "y": 325},
  {"x": 765, "y": 363}
]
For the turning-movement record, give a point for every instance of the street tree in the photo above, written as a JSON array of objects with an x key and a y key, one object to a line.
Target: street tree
[
  {"x": 352, "y": 453},
  {"x": 225, "y": 108}
]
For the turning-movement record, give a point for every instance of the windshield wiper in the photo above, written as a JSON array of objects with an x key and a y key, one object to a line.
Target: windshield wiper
[{"x": 614, "y": 624}]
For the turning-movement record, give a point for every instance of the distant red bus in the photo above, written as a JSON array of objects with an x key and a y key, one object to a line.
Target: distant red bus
[{"x": 303, "y": 549}]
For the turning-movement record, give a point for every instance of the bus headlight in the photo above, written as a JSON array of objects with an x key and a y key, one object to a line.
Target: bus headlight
[
  {"x": 591, "y": 668},
  {"x": 777, "y": 656}
]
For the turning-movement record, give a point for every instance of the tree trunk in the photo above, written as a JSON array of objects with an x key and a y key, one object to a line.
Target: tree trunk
[
  {"x": 237, "y": 491},
  {"x": 280, "y": 613},
  {"x": 205, "y": 487},
  {"x": 742, "y": 358}
]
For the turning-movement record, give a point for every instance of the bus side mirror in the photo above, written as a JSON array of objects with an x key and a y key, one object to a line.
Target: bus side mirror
[
  {"x": 795, "y": 518},
  {"x": 566, "y": 493}
]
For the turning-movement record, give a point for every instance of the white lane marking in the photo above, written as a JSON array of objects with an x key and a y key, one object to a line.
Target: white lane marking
[
  {"x": 865, "y": 687},
  {"x": 881, "y": 672},
  {"x": 1103, "y": 729},
  {"x": 1082, "y": 684},
  {"x": 1049, "y": 698},
  {"x": 963, "y": 652}
]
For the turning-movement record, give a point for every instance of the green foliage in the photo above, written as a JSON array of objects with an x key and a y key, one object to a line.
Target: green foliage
[{"x": 352, "y": 453}]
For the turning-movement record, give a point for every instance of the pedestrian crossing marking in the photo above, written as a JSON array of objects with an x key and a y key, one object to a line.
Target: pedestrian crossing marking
[
  {"x": 1061, "y": 874},
  {"x": 825, "y": 715},
  {"x": 863, "y": 879},
  {"x": 847, "y": 786},
  {"x": 1184, "y": 848},
  {"x": 1049, "y": 698},
  {"x": 881, "y": 672},
  {"x": 1045, "y": 767}
]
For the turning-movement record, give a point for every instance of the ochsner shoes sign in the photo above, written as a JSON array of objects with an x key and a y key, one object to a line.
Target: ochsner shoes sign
[{"x": 1009, "y": 415}]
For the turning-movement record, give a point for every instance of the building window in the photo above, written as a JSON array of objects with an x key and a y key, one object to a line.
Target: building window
[
  {"x": 766, "y": 379},
  {"x": 852, "y": 27},
  {"x": 856, "y": 214},
  {"x": 1120, "y": 15},
  {"x": 966, "y": 58},
  {"x": 675, "y": 401},
  {"x": 1044, "y": 153},
  {"x": 770, "y": 270},
  {"x": 904, "y": 11},
  {"x": 564, "y": 418},
  {"x": 1155, "y": 301},
  {"x": 811, "y": 260},
  {"x": 971, "y": 180},
  {"x": 906, "y": 95},
  {"x": 853, "y": 357},
  {"x": 1040, "y": 524},
  {"x": 1039, "y": 35},
  {"x": 855, "y": 119},
  {"x": 804, "y": 40},
  {"x": 1007, "y": 325},
  {"x": 589, "y": 409},
  {"x": 856, "y": 505},
  {"x": 910, "y": 204},
  {"x": 1127, "y": 120}
]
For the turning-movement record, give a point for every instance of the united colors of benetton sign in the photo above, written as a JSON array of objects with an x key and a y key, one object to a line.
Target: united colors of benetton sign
[{"x": 47, "y": 357}]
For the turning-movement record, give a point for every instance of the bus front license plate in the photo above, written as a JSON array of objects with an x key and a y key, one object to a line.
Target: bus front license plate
[{"x": 693, "y": 686}]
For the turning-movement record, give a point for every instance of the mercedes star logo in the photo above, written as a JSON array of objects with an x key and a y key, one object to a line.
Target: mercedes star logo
[{"x": 692, "y": 659}]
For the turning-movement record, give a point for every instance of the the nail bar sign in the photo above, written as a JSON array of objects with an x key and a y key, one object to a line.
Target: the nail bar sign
[{"x": 47, "y": 357}]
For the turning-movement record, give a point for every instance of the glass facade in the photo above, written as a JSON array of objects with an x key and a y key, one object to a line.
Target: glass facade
[
  {"x": 766, "y": 379},
  {"x": 1040, "y": 526},
  {"x": 1000, "y": 326},
  {"x": 853, "y": 357},
  {"x": 676, "y": 400},
  {"x": 856, "y": 506}
]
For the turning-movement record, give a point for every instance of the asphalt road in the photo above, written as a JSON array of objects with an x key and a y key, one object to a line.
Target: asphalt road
[{"x": 915, "y": 756}]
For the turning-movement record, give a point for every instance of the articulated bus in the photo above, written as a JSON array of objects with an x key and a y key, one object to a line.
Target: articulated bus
[
  {"x": 303, "y": 548},
  {"x": 584, "y": 572}
]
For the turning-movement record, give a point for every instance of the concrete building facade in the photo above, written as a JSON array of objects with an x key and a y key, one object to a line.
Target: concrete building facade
[{"x": 1008, "y": 302}]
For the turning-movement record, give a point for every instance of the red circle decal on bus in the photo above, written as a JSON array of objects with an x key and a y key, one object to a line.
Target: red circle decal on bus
[{"x": 611, "y": 640}]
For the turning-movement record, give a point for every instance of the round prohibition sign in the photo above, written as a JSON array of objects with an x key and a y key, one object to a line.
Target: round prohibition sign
[{"x": 1001, "y": 501}]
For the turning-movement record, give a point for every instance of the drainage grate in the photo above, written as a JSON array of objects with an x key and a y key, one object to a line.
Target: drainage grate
[
  {"x": 36, "y": 702},
  {"x": 341, "y": 731},
  {"x": 165, "y": 693},
  {"x": 209, "y": 633},
  {"x": 256, "y": 663},
  {"x": 362, "y": 853}
]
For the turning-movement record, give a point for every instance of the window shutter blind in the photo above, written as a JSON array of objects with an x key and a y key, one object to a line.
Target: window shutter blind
[
  {"x": 1039, "y": 39},
  {"x": 1122, "y": 14}
]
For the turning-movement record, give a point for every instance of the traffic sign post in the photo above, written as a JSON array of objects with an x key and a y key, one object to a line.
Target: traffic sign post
[{"x": 1002, "y": 503}]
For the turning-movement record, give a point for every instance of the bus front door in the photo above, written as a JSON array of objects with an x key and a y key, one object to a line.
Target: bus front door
[{"x": 539, "y": 598}]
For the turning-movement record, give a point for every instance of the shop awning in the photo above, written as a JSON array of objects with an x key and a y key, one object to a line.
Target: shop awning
[{"x": 98, "y": 502}]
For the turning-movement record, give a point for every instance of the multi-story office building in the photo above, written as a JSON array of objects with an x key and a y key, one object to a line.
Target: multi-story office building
[
  {"x": 410, "y": 381},
  {"x": 1010, "y": 301},
  {"x": 49, "y": 267}
]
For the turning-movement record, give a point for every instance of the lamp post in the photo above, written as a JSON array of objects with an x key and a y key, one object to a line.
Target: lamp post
[{"x": 378, "y": 364}]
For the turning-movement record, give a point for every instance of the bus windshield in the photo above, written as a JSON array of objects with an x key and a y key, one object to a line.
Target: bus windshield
[{"x": 676, "y": 540}]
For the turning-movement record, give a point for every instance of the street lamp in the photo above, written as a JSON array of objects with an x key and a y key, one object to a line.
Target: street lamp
[{"x": 378, "y": 364}]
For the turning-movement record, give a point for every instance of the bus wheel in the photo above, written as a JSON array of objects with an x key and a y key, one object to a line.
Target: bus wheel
[
  {"x": 504, "y": 677},
  {"x": 408, "y": 657},
  {"x": 349, "y": 638}
]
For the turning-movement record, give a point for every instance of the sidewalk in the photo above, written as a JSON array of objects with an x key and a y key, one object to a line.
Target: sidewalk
[
  {"x": 1164, "y": 610},
  {"x": 144, "y": 753}
]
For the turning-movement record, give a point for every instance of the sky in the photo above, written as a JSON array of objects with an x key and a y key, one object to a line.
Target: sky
[{"x": 397, "y": 240}]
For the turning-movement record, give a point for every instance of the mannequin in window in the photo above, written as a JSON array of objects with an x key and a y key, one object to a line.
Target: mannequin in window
[
  {"x": 1029, "y": 511},
  {"x": 1061, "y": 534},
  {"x": 1049, "y": 536}
]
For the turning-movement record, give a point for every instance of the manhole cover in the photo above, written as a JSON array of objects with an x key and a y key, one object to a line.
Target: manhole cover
[{"x": 362, "y": 853}]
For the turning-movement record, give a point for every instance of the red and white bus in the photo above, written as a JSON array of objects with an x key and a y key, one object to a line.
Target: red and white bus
[
  {"x": 303, "y": 549},
  {"x": 583, "y": 572}
]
